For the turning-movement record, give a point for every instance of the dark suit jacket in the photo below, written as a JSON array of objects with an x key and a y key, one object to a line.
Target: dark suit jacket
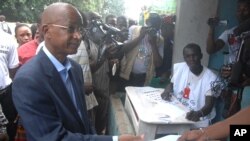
[{"x": 45, "y": 107}]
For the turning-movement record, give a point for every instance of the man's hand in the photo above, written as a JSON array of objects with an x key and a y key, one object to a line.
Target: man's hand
[
  {"x": 226, "y": 71},
  {"x": 143, "y": 32},
  {"x": 111, "y": 49},
  {"x": 107, "y": 50},
  {"x": 88, "y": 88},
  {"x": 193, "y": 115},
  {"x": 167, "y": 94},
  {"x": 131, "y": 138},
  {"x": 212, "y": 22},
  {"x": 194, "y": 135},
  {"x": 152, "y": 40}
]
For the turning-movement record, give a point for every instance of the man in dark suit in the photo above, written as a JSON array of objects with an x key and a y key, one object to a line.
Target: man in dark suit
[{"x": 47, "y": 90}]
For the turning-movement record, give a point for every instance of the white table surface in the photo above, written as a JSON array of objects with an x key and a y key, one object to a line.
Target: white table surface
[{"x": 150, "y": 114}]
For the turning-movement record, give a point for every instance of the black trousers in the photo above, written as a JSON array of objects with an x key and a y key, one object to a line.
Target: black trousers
[
  {"x": 10, "y": 112},
  {"x": 102, "y": 112}
]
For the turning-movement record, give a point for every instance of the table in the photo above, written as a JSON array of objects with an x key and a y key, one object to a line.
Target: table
[{"x": 150, "y": 115}]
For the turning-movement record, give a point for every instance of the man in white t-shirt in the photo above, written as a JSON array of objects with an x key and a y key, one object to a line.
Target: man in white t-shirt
[
  {"x": 4, "y": 25},
  {"x": 227, "y": 38},
  {"x": 8, "y": 66},
  {"x": 190, "y": 84}
]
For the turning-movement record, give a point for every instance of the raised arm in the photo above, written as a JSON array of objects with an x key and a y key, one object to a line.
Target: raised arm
[
  {"x": 131, "y": 43},
  {"x": 213, "y": 45}
]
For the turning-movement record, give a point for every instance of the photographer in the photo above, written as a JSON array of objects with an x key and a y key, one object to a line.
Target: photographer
[{"x": 142, "y": 53}]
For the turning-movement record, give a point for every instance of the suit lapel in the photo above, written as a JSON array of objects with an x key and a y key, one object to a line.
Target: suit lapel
[
  {"x": 58, "y": 86},
  {"x": 78, "y": 88}
]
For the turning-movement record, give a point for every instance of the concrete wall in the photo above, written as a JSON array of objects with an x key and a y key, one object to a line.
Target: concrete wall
[
  {"x": 119, "y": 122},
  {"x": 191, "y": 25}
]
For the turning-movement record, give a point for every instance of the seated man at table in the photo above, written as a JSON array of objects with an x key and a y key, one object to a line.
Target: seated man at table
[{"x": 190, "y": 84}]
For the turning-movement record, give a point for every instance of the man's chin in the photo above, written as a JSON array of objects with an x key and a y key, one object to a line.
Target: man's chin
[
  {"x": 73, "y": 52},
  {"x": 73, "y": 49}
]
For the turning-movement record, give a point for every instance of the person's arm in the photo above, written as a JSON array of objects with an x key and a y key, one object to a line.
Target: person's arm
[
  {"x": 167, "y": 93},
  {"x": 95, "y": 65},
  {"x": 13, "y": 61},
  {"x": 213, "y": 45},
  {"x": 156, "y": 55},
  {"x": 209, "y": 104},
  {"x": 212, "y": 132},
  {"x": 106, "y": 52},
  {"x": 205, "y": 110},
  {"x": 131, "y": 138},
  {"x": 130, "y": 44}
]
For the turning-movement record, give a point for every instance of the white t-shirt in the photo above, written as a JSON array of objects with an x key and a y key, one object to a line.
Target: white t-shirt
[
  {"x": 233, "y": 47},
  {"x": 200, "y": 87},
  {"x": 8, "y": 58}
]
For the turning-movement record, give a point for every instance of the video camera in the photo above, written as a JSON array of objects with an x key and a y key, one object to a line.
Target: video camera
[
  {"x": 101, "y": 33},
  {"x": 152, "y": 31}
]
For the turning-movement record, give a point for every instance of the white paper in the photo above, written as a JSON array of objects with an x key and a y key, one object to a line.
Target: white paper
[
  {"x": 168, "y": 138},
  {"x": 157, "y": 109},
  {"x": 163, "y": 112}
]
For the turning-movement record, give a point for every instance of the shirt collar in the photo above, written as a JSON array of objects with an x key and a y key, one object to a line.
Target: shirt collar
[{"x": 59, "y": 66}]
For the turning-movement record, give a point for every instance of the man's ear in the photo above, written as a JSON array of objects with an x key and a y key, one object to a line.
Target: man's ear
[{"x": 45, "y": 30}]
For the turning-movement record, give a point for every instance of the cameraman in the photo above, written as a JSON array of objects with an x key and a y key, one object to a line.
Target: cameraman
[
  {"x": 142, "y": 53},
  {"x": 99, "y": 53}
]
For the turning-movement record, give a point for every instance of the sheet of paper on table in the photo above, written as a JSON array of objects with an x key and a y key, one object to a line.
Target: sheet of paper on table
[
  {"x": 159, "y": 110},
  {"x": 168, "y": 138}
]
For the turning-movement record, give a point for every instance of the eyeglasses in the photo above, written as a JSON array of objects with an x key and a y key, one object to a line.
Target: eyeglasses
[{"x": 71, "y": 29}]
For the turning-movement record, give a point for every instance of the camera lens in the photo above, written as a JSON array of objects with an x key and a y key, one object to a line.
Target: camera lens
[{"x": 152, "y": 31}]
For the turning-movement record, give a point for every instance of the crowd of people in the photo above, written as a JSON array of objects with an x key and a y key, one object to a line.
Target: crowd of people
[{"x": 64, "y": 68}]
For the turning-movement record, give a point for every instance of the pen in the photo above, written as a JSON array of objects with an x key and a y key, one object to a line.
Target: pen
[{"x": 151, "y": 91}]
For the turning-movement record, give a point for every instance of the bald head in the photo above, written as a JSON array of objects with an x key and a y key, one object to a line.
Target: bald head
[
  {"x": 62, "y": 27},
  {"x": 62, "y": 12}
]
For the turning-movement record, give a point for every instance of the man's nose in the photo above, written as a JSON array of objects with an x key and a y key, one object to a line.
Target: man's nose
[{"x": 77, "y": 35}]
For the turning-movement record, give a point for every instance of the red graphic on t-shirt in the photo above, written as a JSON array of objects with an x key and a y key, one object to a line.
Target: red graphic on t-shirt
[
  {"x": 231, "y": 39},
  {"x": 186, "y": 92}
]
